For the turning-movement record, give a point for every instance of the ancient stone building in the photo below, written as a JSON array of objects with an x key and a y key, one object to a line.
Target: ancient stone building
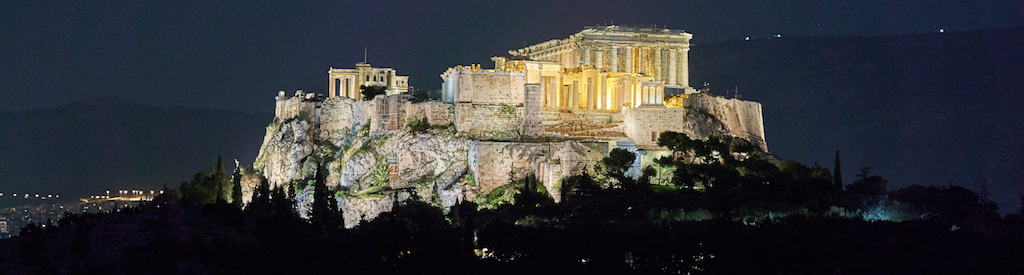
[
  {"x": 346, "y": 82},
  {"x": 603, "y": 83},
  {"x": 661, "y": 54}
]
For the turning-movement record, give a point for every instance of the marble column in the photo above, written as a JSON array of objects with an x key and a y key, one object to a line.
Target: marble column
[
  {"x": 629, "y": 60},
  {"x": 615, "y": 59},
  {"x": 657, "y": 65},
  {"x": 331, "y": 89},
  {"x": 599, "y": 59},
  {"x": 643, "y": 62},
  {"x": 586, "y": 56},
  {"x": 684, "y": 73},
  {"x": 672, "y": 67}
]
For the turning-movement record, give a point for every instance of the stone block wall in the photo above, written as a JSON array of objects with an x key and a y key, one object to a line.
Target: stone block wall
[
  {"x": 490, "y": 122},
  {"x": 491, "y": 87},
  {"x": 295, "y": 107},
  {"x": 437, "y": 113},
  {"x": 336, "y": 116},
  {"x": 494, "y": 164},
  {"x": 644, "y": 125},
  {"x": 532, "y": 110},
  {"x": 699, "y": 117},
  {"x": 742, "y": 118}
]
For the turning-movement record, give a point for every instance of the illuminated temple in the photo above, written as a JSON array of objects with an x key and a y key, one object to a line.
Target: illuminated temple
[{"x": 599, "y": 68}]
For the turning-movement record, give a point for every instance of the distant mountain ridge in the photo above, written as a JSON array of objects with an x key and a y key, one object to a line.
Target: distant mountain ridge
[
  {"x": 106, "y": 142},
  {"x": 921, "y": 109}
]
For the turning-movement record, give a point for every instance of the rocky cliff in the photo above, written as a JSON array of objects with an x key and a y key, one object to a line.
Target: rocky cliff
[{"x": 370, "y": 169}]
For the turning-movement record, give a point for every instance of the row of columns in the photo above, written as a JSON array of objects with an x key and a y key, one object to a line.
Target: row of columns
[
  {"x": 344, "y": 85},
  {"x": 598, "y": 94},
  {"x": 677, "y": 74}
]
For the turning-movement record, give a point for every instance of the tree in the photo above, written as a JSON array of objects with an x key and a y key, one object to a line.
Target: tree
[
  {"x": 579, "y": 187},
  {"x": 236, "y": 187},
  {"x": 325, "y": 206},
  {"x": 617, "y": 163},
  {"x": 260, "y": 202},
  {"x": 369, "y": 92},
  {"x": 220, "y": 181},
  {"x": 1021, "y": 210},
  {"x": 865, "y": 172},
  {"x": 868, "y": 184},
  {"x": 837, "y": 174},
  {"x": 284, "y": 206},
  {"x": 982, "y": 185}
]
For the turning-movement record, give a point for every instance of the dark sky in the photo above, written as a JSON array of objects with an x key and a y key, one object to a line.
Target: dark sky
[{"x": 237, "y": 54}]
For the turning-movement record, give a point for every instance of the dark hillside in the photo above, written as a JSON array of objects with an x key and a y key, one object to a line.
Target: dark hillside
[
  {"x": 109, "y": 143},
  {"x": 922, "y": 109}
]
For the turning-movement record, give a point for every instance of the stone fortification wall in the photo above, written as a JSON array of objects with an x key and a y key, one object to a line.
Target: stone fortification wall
[
  {"x": 742, "y": 118},
  {"x": 337, "y": 114},
  {"x": 644, "y": 125},
  {"x": 492, "y": 104},
  {"x": 532, "y": 110},
  {"x": 700, "y": 117},
  {"x": 494, "y": 164},
  {"x": 491, "y": 87},
  {"x": 436, "y": 113},
  {"x": 490, "y": 122},
  {"x": 295, "y": 107}
]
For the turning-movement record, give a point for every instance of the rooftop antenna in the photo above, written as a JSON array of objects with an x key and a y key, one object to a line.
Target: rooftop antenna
[{"x": 364, "y": 54}]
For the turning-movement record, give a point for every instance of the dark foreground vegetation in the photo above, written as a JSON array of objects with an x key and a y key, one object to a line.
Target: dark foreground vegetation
[{"x": 727, "y": 210}]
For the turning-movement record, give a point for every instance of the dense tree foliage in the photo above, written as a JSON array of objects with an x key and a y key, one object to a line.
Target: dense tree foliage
[
  {"x": 324, "y": 212},
  {"x": 369, "y": 92}
]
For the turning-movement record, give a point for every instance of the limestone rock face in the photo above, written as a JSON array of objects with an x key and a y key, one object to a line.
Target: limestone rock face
[
  {"x": 384, "y": 151},
  {"x": 368, "y": 171},
  {"x": 284, "y": 151}
]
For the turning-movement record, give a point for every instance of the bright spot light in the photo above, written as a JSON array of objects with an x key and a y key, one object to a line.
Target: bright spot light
[
  {"x": 942, "y": 30},
  {"x": 779, "y": 35},
  {"x": 748, "y": 38}
]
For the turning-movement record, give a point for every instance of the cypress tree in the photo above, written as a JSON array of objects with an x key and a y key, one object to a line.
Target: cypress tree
[
  {"x": 236, "y": 188},
  {"x": 324, "y": 203},
  {"x": 837, "y": 175},
  {"x": 220, "y": 180},
  {"x": 261, "y": 198}
]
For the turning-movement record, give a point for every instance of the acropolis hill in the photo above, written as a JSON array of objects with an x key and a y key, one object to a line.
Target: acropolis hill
[{"x": 552, "y": 110}]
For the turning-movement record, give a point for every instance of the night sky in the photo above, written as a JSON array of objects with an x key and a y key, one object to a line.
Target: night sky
[{"x": 236, "y": 55}]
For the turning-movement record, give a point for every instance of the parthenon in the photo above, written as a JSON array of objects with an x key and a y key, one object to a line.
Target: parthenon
[
  {"x": 605, "y": 68},
  {"x": 603, "y": 83},
  {"x": 661, "y": 54}
]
